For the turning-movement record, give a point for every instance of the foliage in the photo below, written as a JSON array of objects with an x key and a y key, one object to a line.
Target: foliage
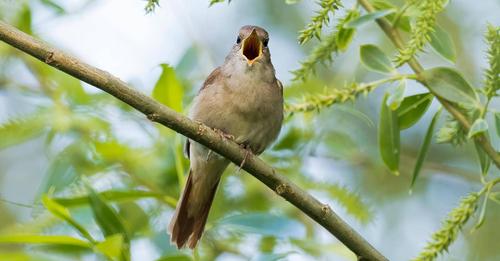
[{"x": 105, "y": 194}]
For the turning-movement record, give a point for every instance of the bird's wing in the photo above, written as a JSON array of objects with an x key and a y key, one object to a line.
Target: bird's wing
[{"x": 212, "y": 77}]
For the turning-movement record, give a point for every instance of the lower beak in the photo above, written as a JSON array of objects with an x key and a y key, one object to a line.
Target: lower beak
[{"x": 252, "y": 47}]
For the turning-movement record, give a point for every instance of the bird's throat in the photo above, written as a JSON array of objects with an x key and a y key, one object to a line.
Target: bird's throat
[{"x": 252, "y": 47}]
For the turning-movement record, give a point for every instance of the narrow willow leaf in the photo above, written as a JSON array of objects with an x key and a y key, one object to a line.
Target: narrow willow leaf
[
  {"x": 404, "y": 20},
  {"x": 345, "y": 35},
  {"x": 63, "y": 213},
  {"x": 117, "y": 196},
  {"x": 374, "y": 59},
  {"x": 168, "y": 89},
  {"x": 368, "y": 18},
  {"x": 177, "y": 257},
  {"x": 388, "y": 136},
  {"x": 482, "y": 214},
  {"x": 424, "y": 148},
  {"x": 44, "y": 239},
  {"x": 54, "y": 6},
  {"x": 109, "y": 221},
  {"x": 111, "y": 247},
  {"x": 106, "y": 217},
  {"x": 450, "y": 85},
  {"x": 497, "y": 123},
  {"x": 442, "y": 43},
  {"x": 22, "y": 129},
  {"x": 479, "y": 126},
  {"x": 262, "y": 223},
  {"x": 484, "y": 160},
  {"x": 412, "y": 108},
  {"x": 397, "y": 96}
]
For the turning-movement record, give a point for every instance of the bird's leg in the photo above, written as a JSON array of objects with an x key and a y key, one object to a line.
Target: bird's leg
[{"x": 248, "y": 151}]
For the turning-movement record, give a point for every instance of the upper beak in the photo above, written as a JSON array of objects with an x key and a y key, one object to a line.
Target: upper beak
[{"x": 252, "y": 47}]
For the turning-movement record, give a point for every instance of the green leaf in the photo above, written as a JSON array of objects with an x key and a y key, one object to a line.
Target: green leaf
[
  {"x": 63, "y": 213},
  {"x": 109, "y": 221},
  {"x": 442, "y": 43},
  {"x": 388, "y": 135},
  {"x": 44, "y": 239},
  {"x": 424, "y": 148},
  {"x": 368, "y": 18},
  {"x": 482, "y": 214},
  {"x": 175, "y": 258},
  {"x": 54, "y": 6},
  {"x": 106, "y": 217},
  {"x": 404, "y": 20},
  {"x": 345, "y": 35},
  {"x": 479, "y": 126},
  {"x": 272, "y": 256},
  {"x": 22, "y": 129},
  {"x": 168, "y": 89},
  {"x": 111, "y": 247},
  {"x": 412, "y": 108},
  {"x": 397, "y": 96},
  {"x": 484, "y": 160},
  {"x": 450, "y": 85},
  {"x": 497, "y": 123},
  {"x": 117, "y": 196},
  {"x": 374, "y": 59},
  {"x": 261, "y": 223}
]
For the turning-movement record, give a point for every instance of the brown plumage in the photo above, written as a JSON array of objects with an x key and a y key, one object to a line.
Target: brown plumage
[{"x": 242, "y": 98}]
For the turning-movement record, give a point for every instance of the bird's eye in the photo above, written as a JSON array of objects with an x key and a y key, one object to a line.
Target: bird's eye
[
  {"x": 265, "y": 42},
  {"x": 238, "y": 40}
]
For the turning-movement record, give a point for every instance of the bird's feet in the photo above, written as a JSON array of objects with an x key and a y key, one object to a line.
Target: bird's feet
[{"x": 224, "y": 135}]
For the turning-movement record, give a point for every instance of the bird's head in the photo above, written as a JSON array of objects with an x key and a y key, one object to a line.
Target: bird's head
[{"x": 251, "y": 44}]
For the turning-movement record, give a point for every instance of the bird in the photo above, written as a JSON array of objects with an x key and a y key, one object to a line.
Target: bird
[{"x": 243, "y": 100}]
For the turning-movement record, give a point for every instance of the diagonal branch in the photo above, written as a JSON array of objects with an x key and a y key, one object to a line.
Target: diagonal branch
[
  {"x": 396, "y": 39},
  {"x": 157, "y": 112}
]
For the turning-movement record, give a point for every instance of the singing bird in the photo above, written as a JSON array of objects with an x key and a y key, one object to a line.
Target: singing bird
[{"x": 241, "y": 98}]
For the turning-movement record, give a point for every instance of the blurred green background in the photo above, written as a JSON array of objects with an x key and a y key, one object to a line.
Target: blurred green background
[{"x": 58, "y": 136}]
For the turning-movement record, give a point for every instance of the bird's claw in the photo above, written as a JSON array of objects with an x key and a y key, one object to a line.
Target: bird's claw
[{"x": 224, "y": 135}]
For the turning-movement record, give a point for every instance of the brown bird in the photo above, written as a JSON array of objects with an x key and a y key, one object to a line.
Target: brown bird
[{"x": 243, "y": 99}]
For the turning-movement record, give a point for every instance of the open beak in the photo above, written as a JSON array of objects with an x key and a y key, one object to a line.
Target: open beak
[{"x": 252, "y": 47}]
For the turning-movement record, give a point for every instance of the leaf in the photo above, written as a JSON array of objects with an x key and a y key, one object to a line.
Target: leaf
[
  {"x": 272, "y": 257},
  {"x": 374, "y": 59},
  {"x": 109, "y": 221},
  {"x": 479, "y": 126},
  {"x": 412, "y": 108},
  {"x": 117, "y": 196},
  {"x": 482, "y": 214},
  {"x": 54, "y": 6},
  {"x": 44, "y": 239},
  {"x": 450, "y": 85},
  {"x": 484, "y": 160},
  {"x": 424, "y": 148},
  {"x": 168, "y": 90},
  {"x": 345, "y": 35},
  {"x": 63, "y": 213},
  {"x": 404, "y": 21},
  {"x": 175, "y": 258},
  {"x": 497, "y": 123},
  {"x": 111, "y": 247},
  {"x": 263, "y": 224},
  {"x": 106, "y": 217},
  {"x": 368, "y": 18},
  {"x": 396, "y": 97},
  {"x": 442, "y": 43},
  {"x": 388, "y": 134},
  {"x": 22, "y": 129}
]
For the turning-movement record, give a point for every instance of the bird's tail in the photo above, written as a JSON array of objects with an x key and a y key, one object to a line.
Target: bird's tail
[{"x": 191, "y": 214}]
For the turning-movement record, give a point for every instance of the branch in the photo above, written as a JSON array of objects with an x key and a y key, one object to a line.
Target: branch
[
  {"x": 196, "y": 131},
  {"x": 396, "y": 39}
]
